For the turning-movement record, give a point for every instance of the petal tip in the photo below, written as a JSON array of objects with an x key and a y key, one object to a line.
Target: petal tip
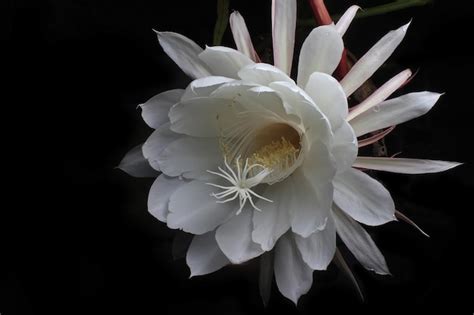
[
  {"x": 235, "y": 13},
  {"x": 383, "y": 272},
  {"x": 405, "y": 27},
  {"x": 304, "y": 233}
]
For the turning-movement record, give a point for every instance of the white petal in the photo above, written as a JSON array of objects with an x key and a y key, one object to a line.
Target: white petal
[
  {"x": 203, "y": 87},
  {"x": 190, "y": 157},
  {"x": 224, "y": 61},
  {"x": 258, "y": 99},
  {"x": 263, "y": 74},
  {"x": 319, "y": 248},
  {"x": 372, "y": 60},
  {"x": 299, "y": 103},
  {"x": 343, "y": 24},
  {"x": 268, "y": 99},
  {"x": 319, "y": 168},
  {"x": 321, "y": 51},
  {"x": 155, "y": 110},
  {"x": 231, "y": 90},
  {"x": 242, "y": 37},
  {"x": 404, "y": 166},
  {"x": 135, "y": 164},
  {"x": 235, "y": 238},
  {"x": 310, "y": 203},
  {"x": 359, "y": 243},
  {"x": 363, "y": 198},
  {"x": 204, "y": 256},
  {"x": 312, "y": 191},
  {"x": 394, "y": 111},
  {"x": 283, "y": 33},
  {"x": 381, "y": 94},
  {"x": 293, "y": 276},
  {"x": 159, "y": 196},
  {"x": 273, "y": 221},
  {"x": 184, "y": 52},
  {"x": 345, "y": 147},
  {"x": 198, "y": 117},
  {"x": 157, "y": 142},
  {"x": 193, "y": 210},
  {"x": 329, "y": 96}
]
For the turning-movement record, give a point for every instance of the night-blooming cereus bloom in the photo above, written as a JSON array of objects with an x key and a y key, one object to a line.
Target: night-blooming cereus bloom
[{"x": 253, "y": 161}]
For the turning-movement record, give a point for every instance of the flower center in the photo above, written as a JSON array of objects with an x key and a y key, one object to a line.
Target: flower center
[{"x": 276, "y": 147}]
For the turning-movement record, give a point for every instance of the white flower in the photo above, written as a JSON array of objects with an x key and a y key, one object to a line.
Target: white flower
[{"x": 253, "y": 161}]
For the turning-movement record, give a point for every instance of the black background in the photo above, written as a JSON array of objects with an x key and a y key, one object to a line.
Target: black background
[{"x": 99, "y": 59}]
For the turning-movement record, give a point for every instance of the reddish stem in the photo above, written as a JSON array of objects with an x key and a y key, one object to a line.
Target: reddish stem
[
  {"x": 322, "y": 17},
  {"x": 320, "y": 11},
  {"x": 343, "y": 68},
  {"x": 375, "y": 137}
]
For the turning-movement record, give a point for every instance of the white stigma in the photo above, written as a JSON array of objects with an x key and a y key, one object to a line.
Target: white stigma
[{"x": 241, "y": 184}]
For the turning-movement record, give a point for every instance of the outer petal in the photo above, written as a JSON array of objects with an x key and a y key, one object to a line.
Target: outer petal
[
  {"x": 283, "y": 28},
  {"x": 198, "y": 117},
  {"x": 381, "y": 94},
  {"x": 135, "y": 164},
  {"x": 319, "y": 248},
  {"x": 224, "y": 61},
  {"x": 235, "y": 238},
  {"x": 404, "y": 166},
  {"x": 263, "y": 74},
  {"x": 155, "y": 110},
  {"x": 160, "y": 192},
  {"x": 273, "y": 221},
  {"x": 343, "y": 24},
  {"x": 242, "y": 37},
  {"x": 293, "y": 276},
  {"x": 360, "y": 243},
  {"x": 328, "y": 94},
  {"x": 363, "y": 198},
  {"x": 345, "y": 147},
  {"x": 372, "y": 60},
  {"x": 204, "y": 256},
  {"x": 184, "y": 52},
  {"x": 321, "y": 51},
  {"x": 157, "y": 142},
  {"x": 203, "y": 87},
  {"x": 190, "y": 157},
  {"x": 394, "y": 111},
  {"x": 193, "y": 210}
]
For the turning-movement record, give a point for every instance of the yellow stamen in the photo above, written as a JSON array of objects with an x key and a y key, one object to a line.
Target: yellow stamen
[{"x": 276, "y": 154}]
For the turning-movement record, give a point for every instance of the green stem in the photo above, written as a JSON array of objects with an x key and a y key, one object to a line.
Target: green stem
[
  {"x": 377, "y": 10},
  {"x": 391, "y": 7},
  {"x": 222, "y": 21}
]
